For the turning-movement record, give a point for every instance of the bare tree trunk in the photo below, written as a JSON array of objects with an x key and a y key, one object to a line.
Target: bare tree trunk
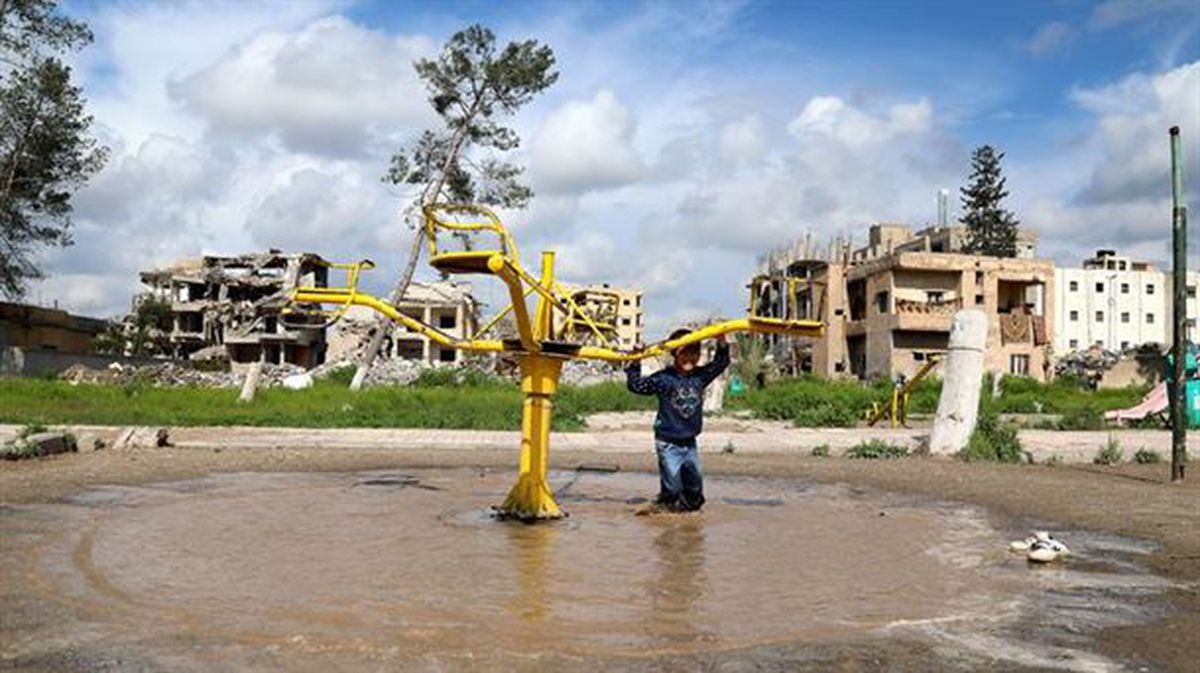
[{"x": 429, "y": 196}]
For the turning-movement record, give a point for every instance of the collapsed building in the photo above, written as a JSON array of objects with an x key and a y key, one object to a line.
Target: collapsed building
[
  {"x": 888, "y": 306},
  {"x": 447, "y": 305},
  {"x": 231, "y": 303}
]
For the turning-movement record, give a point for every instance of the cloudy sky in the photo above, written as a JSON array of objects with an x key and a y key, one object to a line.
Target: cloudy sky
[{"x": 681, "y": 141}]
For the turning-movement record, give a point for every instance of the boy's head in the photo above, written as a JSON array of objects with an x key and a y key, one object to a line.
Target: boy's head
[{"x": 687, "y": 357}]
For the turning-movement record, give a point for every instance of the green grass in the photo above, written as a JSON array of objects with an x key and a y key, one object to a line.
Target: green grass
[
  {"x": 812, "y": 402},
  {"x": 1067, "y": 396},
  {"x": 480, "y": 403},
  {"x": 877, "y": 449},
  {"x": 1110, "y": 453}
]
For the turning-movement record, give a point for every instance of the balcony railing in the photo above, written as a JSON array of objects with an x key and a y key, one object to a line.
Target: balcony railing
[{"x": 945, "y": 307}]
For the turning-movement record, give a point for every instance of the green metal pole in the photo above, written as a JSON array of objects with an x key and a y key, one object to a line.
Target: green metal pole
[{"x": 1179, "y": 302}]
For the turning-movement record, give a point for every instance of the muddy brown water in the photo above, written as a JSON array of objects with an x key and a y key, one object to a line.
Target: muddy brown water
[{"x": 408, "y": 569}]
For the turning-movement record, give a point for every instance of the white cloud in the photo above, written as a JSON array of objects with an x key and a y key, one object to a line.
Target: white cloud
[
  {"x": 1133, "y": 116},
  {"x": 1115, "y": 13},
  {"x": 332, "y": 88},
  {"x": 1050, "y": 37},
  {"x": 585, "y": 146},
  {"x": 742, "y": 141},
  {"x": 1122, "y": 197},
  {"x": 832, "y": 117}
]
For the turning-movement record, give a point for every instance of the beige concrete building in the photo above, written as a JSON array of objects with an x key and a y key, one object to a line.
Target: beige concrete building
[
  {"x": 221, "y": 301},
  {"x": 887, "y": 313},
  {"x": 1117, "y": 303},
  {"x": 617, "y": 310},
  {"x": 886, "y": 238},
  {"x": 447, "y": 305}
]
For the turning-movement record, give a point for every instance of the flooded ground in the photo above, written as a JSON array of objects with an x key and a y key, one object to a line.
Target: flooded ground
[{"x": 387, "y": 570}]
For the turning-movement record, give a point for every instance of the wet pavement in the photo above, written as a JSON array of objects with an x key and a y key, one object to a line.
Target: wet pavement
[{"x": 408, "y": 570}]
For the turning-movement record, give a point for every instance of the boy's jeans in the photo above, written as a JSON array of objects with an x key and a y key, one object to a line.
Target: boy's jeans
[{"x": 681, "y": 485}]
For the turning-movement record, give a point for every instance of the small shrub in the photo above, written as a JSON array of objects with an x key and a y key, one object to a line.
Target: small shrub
[
  {"x": 729, "y": 447},
  {"x": 31, "y": 429},
  {"x": 1082, "y": 418},
  {"x": 821, "y": 451},
  {"x": 1054, "y": 461},
  {"x": 877, "y": 448},
  {"x": 992, "y": 440},
  {"x": 1110, "y": 453},
  {"x": 1146, "y": 457}
]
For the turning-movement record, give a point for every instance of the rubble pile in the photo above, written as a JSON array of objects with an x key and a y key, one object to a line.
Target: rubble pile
[
  {"x": 589, "y": 372},
  {"x": 173, "y": 374},
  {"x": 1096, "y": 364},
  {"x": 385, "y": 371}
]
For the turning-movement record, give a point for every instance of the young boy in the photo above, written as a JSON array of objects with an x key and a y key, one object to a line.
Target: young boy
[{"x": 680, "y": 391}]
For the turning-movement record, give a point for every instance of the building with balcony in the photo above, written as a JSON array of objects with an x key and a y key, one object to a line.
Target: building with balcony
[{"x": 888, "y": 313}]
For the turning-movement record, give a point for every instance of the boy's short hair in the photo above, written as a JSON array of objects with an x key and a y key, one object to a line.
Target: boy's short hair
[{"x": 678, "y": 334}]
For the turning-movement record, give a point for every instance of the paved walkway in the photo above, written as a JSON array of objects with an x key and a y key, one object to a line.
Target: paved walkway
[{"x": 1069, "y": 446}]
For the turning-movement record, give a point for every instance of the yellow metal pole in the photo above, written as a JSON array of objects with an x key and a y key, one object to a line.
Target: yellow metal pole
[{"x": 531, "y": 498}]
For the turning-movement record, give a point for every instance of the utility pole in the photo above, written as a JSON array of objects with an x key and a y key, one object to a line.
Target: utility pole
[{"x": 1179, "y": 297}]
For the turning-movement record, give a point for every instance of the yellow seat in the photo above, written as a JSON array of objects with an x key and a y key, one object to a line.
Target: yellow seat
[{"x": 471, "y": 261}]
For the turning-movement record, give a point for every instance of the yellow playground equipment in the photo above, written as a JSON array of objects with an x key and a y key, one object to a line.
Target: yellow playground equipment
[
  {"x": 897, "y": 408},
  {"x": 539, "y": 350}
]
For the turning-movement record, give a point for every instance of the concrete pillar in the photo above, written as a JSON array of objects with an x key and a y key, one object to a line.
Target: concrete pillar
[
  {"x": 963, "y": 373},
  {"x": 426, "y": 345},
  {"x": 250, "y": 383}
]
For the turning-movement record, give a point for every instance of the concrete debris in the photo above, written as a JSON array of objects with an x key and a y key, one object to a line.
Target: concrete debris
[
  {"x": 590, "y": 372},
  {"x": 385, "y": 372},
  {"x": 298, "y": 381},
  {"x": 1102, "y": 368},
  {"x": 39, "y": 444},
  {"x": 172, "y": 373}
]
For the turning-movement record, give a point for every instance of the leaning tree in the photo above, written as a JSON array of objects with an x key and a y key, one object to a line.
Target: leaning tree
[{"x": 471, "y": 86}]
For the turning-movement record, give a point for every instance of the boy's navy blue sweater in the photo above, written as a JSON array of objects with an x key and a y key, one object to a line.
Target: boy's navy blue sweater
[{"x": 680, "y": 396}]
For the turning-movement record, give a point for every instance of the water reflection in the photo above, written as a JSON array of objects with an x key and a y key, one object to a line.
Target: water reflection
[
  {"x": 531, "y": 547},
  {"x": 676, "y": 612}
]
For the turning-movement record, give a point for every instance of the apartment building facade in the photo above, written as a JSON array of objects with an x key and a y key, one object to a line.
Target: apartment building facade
[
  {"x": 1117, "y": 303},
  {"x": 888, "y": 307}
]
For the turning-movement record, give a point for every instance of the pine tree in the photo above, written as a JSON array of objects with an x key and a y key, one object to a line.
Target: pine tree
[{"x": 991, "y": 230}]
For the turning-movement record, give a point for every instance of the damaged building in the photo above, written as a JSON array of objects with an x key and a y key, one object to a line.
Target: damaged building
[
  {"x": 231, "y": 303},
  {"x": 616, "y": 311},
  {"x": 447, "y": 305},
  {"x": 888, "y": 306}
]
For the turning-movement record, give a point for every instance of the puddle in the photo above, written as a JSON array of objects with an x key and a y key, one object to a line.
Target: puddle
[{"x": 309, "y": 571}]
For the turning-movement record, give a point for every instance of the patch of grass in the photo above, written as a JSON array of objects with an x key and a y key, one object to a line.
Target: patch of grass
[
  {"x": 1054, "y": 461},
  {"x": 992, "y": 440},
  {"x": 876, "y": 449},
  {"x": 476, "y": 403},
  {"x": 1066, "y": 395},
  {"x": 811, "y": 402},
  {"x": 1110, "y": 453},
  {"x": 821, "y": 451},
  {"x": 1146, "y": 457}
]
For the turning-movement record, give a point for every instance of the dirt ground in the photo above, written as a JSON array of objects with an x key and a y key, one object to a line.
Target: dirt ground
[{"x": 1133, "y": 500}]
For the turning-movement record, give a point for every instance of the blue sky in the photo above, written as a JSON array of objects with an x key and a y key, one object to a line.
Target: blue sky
[{"x": 681, "y": 141}]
